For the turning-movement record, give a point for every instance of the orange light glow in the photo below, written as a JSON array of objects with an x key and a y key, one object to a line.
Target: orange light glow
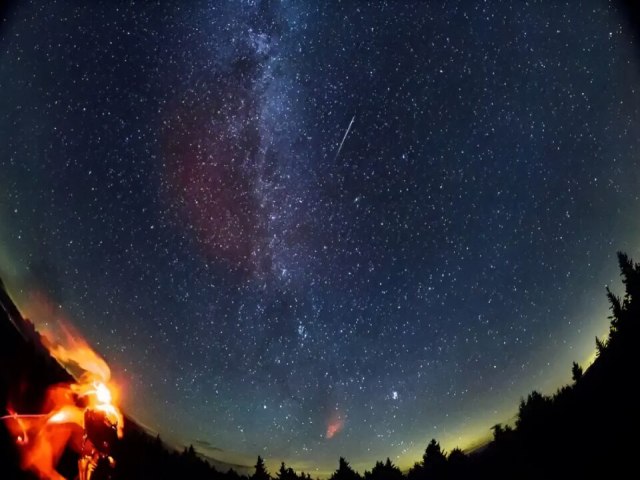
[
  {"x": 22, "y": 437},
  {"x": 103, "y": 395},
  {"x": 43, "y": 437}
]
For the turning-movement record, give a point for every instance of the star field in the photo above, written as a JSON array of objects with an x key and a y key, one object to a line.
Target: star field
[{"x": 305, "y": 231}]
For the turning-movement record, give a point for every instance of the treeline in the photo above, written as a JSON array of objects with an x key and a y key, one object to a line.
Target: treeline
[{"x": 586, "y": 429}]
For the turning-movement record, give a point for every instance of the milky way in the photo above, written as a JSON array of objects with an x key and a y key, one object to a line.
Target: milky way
[{"x": 307, "y": 231}]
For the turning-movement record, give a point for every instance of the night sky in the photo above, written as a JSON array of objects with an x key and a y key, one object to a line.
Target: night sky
[{"x": 304, "y": 229}]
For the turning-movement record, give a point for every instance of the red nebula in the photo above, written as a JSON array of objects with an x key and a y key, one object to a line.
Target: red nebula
[
  {"x": 208, "y": 180},
  {"x": 334, "y": 427}
]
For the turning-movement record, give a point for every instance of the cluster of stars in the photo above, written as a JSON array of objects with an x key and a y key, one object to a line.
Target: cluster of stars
[{"x": 183, "y": 181}]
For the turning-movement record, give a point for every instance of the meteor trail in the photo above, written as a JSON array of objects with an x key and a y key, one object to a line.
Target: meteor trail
[{"x": 344, "y": 138}]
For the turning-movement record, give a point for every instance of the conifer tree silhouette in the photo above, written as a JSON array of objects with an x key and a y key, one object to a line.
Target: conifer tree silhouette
[
  {"x": 344, "y": 471},
  {"x": 261, "y": 471},
  {"x": 576, "y": 372}
]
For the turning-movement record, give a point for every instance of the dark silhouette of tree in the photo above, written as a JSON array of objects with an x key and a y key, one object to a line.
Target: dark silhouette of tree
[
  {"x": 500, "y": 433},
  {"x": 615, "y": 305},
  {"x": 434, "y": 459},
  {"x": 576, "y": 372},
  {"x": 233, "y": 475},
  {"x": 416, "y": 472},
  {"x": 261, "y": 472},
  {"x": 531, "y": 409},
  {"x": 433, "y": 465},
  {"x": 457, "y": 464},
  {"x": 344, "y": 471},
  {"x": 189, "y": 452},
  {"x": 630, "y": 273},
  {"x": 384, "y": 471},
  {"x": 286, "y": 473}
]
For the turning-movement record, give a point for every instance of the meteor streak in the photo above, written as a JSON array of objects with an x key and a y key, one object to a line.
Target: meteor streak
[{"x": 344, "y": 138}]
